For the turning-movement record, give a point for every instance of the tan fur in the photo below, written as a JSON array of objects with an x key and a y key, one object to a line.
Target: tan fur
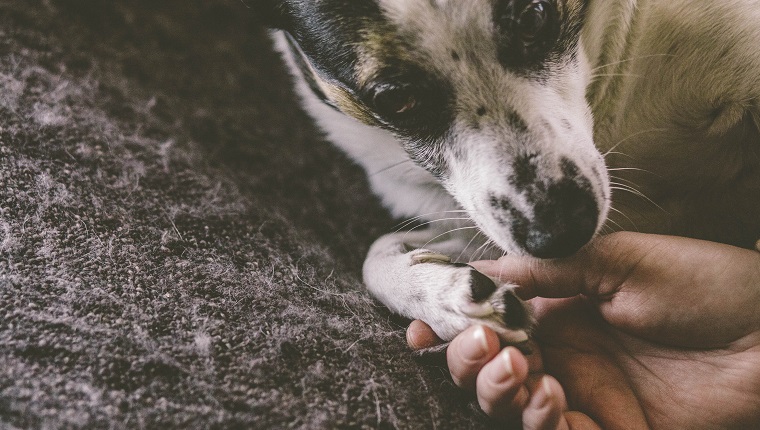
[
  {"x": 677, "y": 94},
  {"x": 347, "y": 103}
]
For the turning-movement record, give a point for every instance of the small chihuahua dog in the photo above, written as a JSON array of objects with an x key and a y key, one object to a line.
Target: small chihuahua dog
[{"x": 504, "y": 126}]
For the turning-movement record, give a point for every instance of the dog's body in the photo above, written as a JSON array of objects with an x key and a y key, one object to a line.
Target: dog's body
[{"x": 475, "y": 118}]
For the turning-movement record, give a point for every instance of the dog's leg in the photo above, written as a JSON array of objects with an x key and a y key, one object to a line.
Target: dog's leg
[{"x": 424, "y": 283}]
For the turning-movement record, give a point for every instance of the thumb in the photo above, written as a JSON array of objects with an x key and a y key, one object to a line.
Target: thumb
[{"x": 598, "y": 269}]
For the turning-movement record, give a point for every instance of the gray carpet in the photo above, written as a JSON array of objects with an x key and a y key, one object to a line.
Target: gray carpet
[{"x": 179, "y": 247}]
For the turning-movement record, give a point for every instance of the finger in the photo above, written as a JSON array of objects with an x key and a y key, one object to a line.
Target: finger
[
  {"x": 501, "y": 389},
  {"x": 594, "y": 383},
  {"x": 597, "y": 269},
  {"x": 546, "y": 406},
  {"x": 648, "y": 276},
  {"x": 469, "y": 352},
  {"x": 419, "y": 335}
]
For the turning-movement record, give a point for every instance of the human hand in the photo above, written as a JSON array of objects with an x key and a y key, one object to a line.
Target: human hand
[{"x": 665, "y": 334}]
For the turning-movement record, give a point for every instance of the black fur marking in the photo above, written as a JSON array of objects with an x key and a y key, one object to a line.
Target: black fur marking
[
  {"x": 455, "y": 56},
  {"x": 482, "y": 111},
  {"x": 516, "y": 122},
  {"x": 431, "y": 115},
  {"x": 549, "y": 130},
  {"x": 481, "y": 286},
  {"x": 525, "y": 171},
  {"x": 535, "y": 59},
  {"x": 569, "y": 169},
  {"x": 515, "y": 52},
  {"x": 328, "y": 33},
  {"x": 508, "y": 215},
  {"x": 515, "y": 315},
  {"x": 328, "y": 30}
]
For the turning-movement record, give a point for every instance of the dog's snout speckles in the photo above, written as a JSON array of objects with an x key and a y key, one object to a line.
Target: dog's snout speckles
[
  {"x": 516, "y": 122},
  {"x": 525, "y": 171},
  {"x": 506, "y": 213},
  {"x": 563, "y": 214},
  {"x": 569, "y": 169}
]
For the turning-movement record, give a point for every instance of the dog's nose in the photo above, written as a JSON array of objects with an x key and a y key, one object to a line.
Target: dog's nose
[
  {"x": 562, "y": 223},
  {"x": 565, "y": 217}
]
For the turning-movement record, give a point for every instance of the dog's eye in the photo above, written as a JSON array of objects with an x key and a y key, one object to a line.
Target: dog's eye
[
  {"x": 412, "y": 103},
  {"x": 532, "y": 24},
  {"x": 393, "y": 101}
]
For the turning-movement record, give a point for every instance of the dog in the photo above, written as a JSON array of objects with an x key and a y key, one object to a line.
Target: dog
[{"x": 529, "y": 127}]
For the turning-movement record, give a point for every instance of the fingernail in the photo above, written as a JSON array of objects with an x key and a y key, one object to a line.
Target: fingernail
[
  {"x": 500, "y": 370},
  {"x": 475, "y": 346},
  {"x": 547, "y": 386},
  {"x": 506, "y": 359},
  {"x": 410, "y": 339},
  {"x": 547, "y": 391},
  {"x": 501, "y": 374}
]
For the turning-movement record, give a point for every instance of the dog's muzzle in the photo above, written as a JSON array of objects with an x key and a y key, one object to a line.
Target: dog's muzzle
[{"x": 565, "y": 217}]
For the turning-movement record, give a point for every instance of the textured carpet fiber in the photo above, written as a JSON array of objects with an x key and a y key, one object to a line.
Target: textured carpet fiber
[{"x": 179, "y": 246}]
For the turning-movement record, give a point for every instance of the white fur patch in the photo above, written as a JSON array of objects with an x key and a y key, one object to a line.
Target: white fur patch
[{"x": 485, "y": 145}]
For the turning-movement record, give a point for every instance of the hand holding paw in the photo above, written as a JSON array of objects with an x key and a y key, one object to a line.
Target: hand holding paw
[{"x": 637, "y": 331}]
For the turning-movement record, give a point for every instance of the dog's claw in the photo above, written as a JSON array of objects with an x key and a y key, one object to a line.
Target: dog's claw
[
  {"x": 517, "y": 338},
  {"x": 478, "y": 310},
  {"x": 430, "y": 257}
]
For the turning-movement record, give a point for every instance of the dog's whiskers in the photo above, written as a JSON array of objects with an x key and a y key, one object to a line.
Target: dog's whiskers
[
  {"x": 446, "y": 233},
  {"x": 430, "y": 222},
  {"x": 651, "y": 130},
  {"x": 392, "y": 166},
  {"x": 404, "y": 224},
  {"x": 618, "y": 153},
  {"x": 634, "y": 169},
  {"x": 501, "y": 268},
  {"x": 491, "y": 245},
  {"x": 607, "y": 75},
  {"x": 479, "y": 233},
  {"x": 619, "y": 186},
  {"x": 483, "y": 249},
  {"x": 618, "y": 169},
  {"x": 641, "y": 57},
  {"x": 620, "y": 227}
]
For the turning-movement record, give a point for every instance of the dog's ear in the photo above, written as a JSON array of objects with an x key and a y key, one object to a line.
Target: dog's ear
[{"x": 270, "y": 13}]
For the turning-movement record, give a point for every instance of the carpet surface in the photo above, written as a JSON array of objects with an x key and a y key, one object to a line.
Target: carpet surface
[{"x": 179, "y": 246}]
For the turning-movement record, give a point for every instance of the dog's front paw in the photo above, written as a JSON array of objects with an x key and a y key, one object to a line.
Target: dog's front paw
[{"x": 453, "y": 296}]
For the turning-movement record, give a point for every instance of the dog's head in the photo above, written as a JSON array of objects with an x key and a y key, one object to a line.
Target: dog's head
[{"x": 487, "y": 95}]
